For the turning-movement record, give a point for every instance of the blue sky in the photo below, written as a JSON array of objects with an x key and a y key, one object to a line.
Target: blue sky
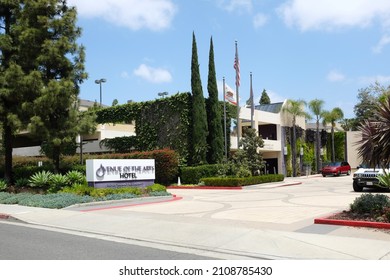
[{"x": 297, "y": 49}]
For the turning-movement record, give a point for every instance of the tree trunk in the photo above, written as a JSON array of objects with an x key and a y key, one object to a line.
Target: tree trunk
[
  {"x": 294, "y": 152},
  {"x": 318, "y": 153},
  {"x": 7, "y": 141},
  {"x": 333, "y": 150},
  {"x": 56, "y": 159}
]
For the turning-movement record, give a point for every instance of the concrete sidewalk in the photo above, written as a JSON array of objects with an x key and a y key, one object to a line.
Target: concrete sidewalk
[{"x": 206, "y": 237}]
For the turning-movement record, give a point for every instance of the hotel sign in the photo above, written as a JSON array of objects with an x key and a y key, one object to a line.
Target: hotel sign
[{"x": 117, "y": 173}]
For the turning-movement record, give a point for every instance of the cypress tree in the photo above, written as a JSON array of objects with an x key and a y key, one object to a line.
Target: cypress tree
[
  {"x": 199, "y": 116},
  {"x": 215, "y": 138}
]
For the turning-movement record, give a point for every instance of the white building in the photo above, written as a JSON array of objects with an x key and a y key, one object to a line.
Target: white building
[
  {"x": 25, "y": 146},
  {"x": 269, "y": 121}
]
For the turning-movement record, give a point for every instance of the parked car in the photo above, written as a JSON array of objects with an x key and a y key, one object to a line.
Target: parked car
[{"x": 336, "y": 168}]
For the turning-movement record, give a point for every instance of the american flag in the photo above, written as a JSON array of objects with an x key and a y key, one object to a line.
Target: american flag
[{"x": 237, "y": 67}]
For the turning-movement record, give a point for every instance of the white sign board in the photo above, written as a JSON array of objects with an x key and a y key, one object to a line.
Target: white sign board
[{"x": 115, "y": 173}]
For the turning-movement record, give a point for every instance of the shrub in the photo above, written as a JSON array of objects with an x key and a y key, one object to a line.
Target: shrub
[
  {"x": 234, "y": 181},
  {"x": 15, "y": 198},
  {"x": 192, "y": 175},
  {"x": 22, "y": 182},
  {"x": 243, "y": 171},
  {"x": 156, "y": 188},
  {"x": 223, "y": 182},
  {"x": 22, "y": 172},
  {"x": 166, "y": 163},
  {"x": 4, "y": 196},
  {"x": 133, "y": 190},
  {"x": 370, "y": 204},
  {"x": 3, "y": 185},
  {"x": 57, "y": 182},
  {"x": 119, "y": 196},
  {"x": 75, "y": 177},
  {"x": 159, "y": 193},
  {"x": 384, "y": 180},
  {"x": 101, "y": 192},
  {"x": 41, "y": 179},
  {"x": 79, "y": 189},
  {"x": 58, "y": 200}
]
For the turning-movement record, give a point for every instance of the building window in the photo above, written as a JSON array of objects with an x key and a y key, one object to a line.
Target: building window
[{"x": 268, "y": 131}]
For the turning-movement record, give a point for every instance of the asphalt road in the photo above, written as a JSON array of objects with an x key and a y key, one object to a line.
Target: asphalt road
[{"x": 21, "y": 242}]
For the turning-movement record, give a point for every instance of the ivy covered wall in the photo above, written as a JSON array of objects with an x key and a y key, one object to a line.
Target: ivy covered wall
[{"x": 162, "y": 123}]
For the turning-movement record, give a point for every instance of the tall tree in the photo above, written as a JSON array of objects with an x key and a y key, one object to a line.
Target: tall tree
[
  {"x": 368, "y": 100},
  {"x": 49, "y": 65},
  {"x": 296, "y": 108},
  {"x": 199, "y": 116},
  {"x": 316, "y": 107},
  {"x": 264, "y": 99},
  {"x": 332, "y": 117},
  {"x": 215, "y": 137},
  {"x": 249, "y": 156}
]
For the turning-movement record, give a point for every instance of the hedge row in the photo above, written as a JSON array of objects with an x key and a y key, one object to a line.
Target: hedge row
[
  {"x": 234, "y": 182},
  {"x": 193, "y": 175},
  {"x": 166, "y": 163}
]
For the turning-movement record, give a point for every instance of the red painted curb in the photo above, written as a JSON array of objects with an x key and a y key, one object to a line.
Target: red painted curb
[
  {"x": 351, "y": 223},
  {"x": 4, "y": 216},
  {"x": 175, "y": 198},
  {"x": 205, "y": 188}
]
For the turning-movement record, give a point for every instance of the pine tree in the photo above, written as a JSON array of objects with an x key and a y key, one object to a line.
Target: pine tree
[
  {"x": 199, "y": 116},
  {"x": 264, "y": 99},
  {"x": 48, "y": 65},
  {"x": 15, "y": 85},
  {"x": 215, "y": 138}
]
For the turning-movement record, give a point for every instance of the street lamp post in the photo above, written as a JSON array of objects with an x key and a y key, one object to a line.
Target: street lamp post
[
  {"x": 79, "y": 140},
  {"x": 99, "y": 82}
]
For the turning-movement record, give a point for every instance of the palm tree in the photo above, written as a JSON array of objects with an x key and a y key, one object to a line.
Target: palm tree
[
  {"x": 296, "y": 109},
  {"x": 316, "y": 108},
  {"x": 332, "y": 117}
]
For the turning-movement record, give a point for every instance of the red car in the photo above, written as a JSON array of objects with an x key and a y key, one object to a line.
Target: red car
[{"x": 336, "y": 168}]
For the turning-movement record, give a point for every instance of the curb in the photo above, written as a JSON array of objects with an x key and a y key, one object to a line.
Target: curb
[
  {"x": 284, "y": 184},
  {"x": 4, "y": 216},
  {"x": 172, "y": 199},
  {"x": 350, "y": 223},
  {"x": 204, "y": 188}
]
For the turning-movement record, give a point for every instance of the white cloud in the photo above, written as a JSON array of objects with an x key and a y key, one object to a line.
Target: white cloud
[
  {"x": 334, "y": 14},
  {"x": 236, "y": 5},
  {"x": 154, "y": 75},
  {"x": 335, "y": 76},
  {"x": 259, "y": 20},
  {"x": 133, "y": 14},
  {"x": 385, "y": 40},
  {"x": 372, "y": 79}
]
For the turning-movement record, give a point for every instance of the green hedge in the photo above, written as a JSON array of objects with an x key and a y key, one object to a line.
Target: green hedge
[
  {"x": 192, "y": 175},
  {"x": 234, "y": 182}
]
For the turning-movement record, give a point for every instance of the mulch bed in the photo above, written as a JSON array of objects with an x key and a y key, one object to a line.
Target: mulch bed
[
  {"x": 347, "y": 215},
  {"x": 347, "y": 218}
]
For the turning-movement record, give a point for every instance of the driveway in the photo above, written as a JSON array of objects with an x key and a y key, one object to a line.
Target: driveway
[
  {"x": 272, "y": 221},
  {"x": 288, "y": 206}
]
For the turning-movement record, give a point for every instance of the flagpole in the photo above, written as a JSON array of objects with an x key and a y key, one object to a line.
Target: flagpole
[
  {"x": 237, "y": 67},
  {"x": 252, "y": 104},
  {"x": 224, "y": 116}
]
